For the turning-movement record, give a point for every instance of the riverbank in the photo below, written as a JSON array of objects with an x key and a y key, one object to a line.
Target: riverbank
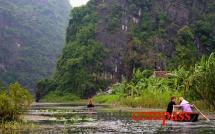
[
  {"x": 106, "y": 108},
  {"x": 155, "y": 101},
  {"x": 20, "y": 126},
  {"x": 77, "y": 118}
]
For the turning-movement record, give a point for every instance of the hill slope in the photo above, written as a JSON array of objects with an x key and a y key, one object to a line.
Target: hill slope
[
  {"x": 108, "y": 39},
  {"x": 31, "y": 37}
]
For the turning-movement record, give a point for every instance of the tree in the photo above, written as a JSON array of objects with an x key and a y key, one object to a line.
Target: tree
[
  {"x": 79, "y": 68},
  {"x": 14, "y": 102},
  {"x": 185, "y": 51},
  {"x": 202, "y": 80}
]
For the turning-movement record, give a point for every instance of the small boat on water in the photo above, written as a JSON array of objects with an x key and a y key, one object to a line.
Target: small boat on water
[
  {"x": 193, "y": 117},
  {"x": 90, "y": 104}
]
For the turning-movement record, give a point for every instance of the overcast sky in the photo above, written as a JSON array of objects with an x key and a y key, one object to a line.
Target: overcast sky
[{"x": 76, "y": 3}]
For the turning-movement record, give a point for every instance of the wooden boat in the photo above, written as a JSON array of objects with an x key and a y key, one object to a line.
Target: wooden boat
[
  {"x": 185, "y": 117},
  {"x": 193, "y": 117},
  {"x": 90, "y": 105}
]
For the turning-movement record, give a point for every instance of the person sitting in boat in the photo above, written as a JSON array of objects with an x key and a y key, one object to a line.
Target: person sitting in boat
[
  {"x": 171, "y": 104},
  {"x": 184, "y": 105},
  {"x": 90, "y": 104}
]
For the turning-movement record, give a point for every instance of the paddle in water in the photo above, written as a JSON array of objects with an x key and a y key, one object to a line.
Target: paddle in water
[{"x": 201, "y": 113}]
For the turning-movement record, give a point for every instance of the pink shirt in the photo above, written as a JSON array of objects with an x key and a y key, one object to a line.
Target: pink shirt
[{"x": 186, "y": 107}]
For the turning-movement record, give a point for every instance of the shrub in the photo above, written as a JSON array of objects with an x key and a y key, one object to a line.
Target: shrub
[
  {"x": 13, "y": 102},
  {"x": 106, "y": 98},
  {"x": 202, "y": 80},
  {"x": 56, "y": 96}
]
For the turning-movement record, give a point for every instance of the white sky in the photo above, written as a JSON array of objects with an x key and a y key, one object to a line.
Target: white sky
[{"x": 76, "y": 3}]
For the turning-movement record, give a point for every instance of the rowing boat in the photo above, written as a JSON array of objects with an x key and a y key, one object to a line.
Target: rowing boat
[{"x": 193, "y": 117}]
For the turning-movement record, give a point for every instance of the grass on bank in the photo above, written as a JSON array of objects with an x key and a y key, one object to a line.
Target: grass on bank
[
  {"x": 59, "y": 97},
  {"x": 195, "y": 84},
  {"x": 17, "y": 125},
  {"x": 106, "y": 99},
  {"x": 146, "y": 101},
  {"x": 150, "y": 99}
]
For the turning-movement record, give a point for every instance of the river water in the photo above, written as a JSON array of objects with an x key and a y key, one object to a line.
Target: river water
[{"x": 72, "y": 119}]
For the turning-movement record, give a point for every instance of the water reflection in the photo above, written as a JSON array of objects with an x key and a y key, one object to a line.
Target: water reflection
[{"x": 70, "y": 119}]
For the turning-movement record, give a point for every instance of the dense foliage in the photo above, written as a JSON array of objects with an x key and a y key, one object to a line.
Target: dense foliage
[
  {"x": 13, "y": 102},
  {"x": 202, "y": 80},
  {"x": 108, "y": 40},
  {"x": 160, "y": 41},
  {"x": 146, "y": 90},
  {"x": 58, "y": 96},
  {"x": 79, "y": 66},
  {"x": 32, "y": 34},
  {"x": 196, "y": 85}
]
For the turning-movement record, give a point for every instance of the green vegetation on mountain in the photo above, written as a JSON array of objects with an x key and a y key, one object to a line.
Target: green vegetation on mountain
[
  {"x": 31, "y": 37},
  {"x": 125, "y": 41},
  {"x": 169, "y": 42},
  {"x": 79, "y": 66}
]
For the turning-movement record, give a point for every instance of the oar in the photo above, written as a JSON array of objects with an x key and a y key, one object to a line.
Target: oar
[{"x": 201, "y": 113}]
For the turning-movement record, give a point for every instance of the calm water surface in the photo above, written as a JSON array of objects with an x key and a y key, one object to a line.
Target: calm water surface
[{"x": 72, "y": 119}]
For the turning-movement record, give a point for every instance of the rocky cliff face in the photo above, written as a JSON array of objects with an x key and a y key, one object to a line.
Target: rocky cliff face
[
  {"x": 116, "y": 39},
  {"x": 107, "y": 39},
  {"x": 31, "y": 37},
  {"x": 157, "y": 22}
]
